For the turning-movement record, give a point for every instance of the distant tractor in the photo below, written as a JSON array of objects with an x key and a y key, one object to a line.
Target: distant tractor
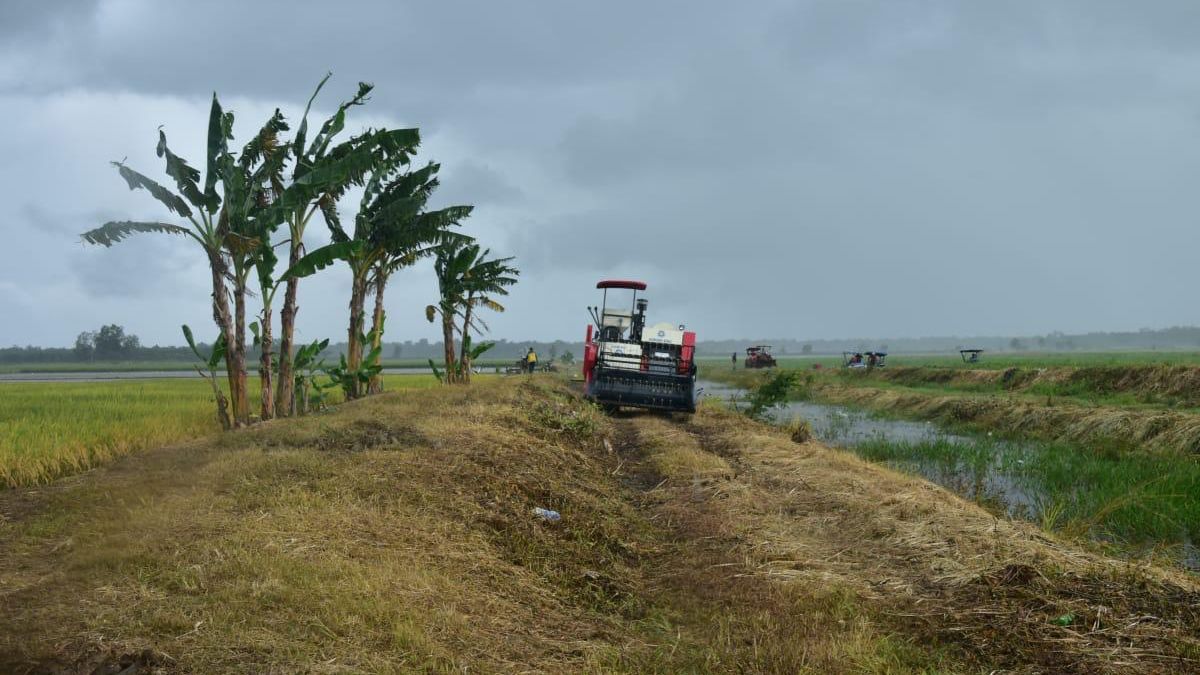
[
  {"x": 627, "y": 363},
  {"x": 759, "y": 356},
  {"x": 864, "y": 359},
  {"x": 971, "y": 355}
]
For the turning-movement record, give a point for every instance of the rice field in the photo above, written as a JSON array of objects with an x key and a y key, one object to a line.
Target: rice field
[{"x": 48, "y": 430}]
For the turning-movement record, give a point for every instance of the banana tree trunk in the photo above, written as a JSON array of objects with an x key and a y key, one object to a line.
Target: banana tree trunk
[
  {"x": 375, "y": 386},
  {"x": 285, "y": 395},
  {"x": 224, "y": 321},
  {"x": 237, "y": 348},
  {"x": 265, "y": 365},
  {"x": 358, "y": 293},
  {"x": 448, "y": 346},
  {"x": 465, "y": 358}
]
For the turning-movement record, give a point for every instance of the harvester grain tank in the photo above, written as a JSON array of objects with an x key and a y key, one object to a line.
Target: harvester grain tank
[{"x": 627, "y": 363}]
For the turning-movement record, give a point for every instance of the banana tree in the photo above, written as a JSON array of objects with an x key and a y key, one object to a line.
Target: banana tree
[
  {"x": 467, "y": 279},
  {"x": 388, "y": 225},
  {"x": 250, "y": 183},
  {"x": 460, "y": 371},
  {"x": 450, "y": 265},
  {"x": 308, "y": 364},
  {"x": 485, "y": 281},
  {"x": 199, "y": 204},
  {"x": 211, "y": 362},
  {"x": 412, "y": 237},
  {"x": 320, "y": 175}
]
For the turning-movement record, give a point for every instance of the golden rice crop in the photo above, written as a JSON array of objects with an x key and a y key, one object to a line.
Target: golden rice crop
[{"x": 50, "y": 429}]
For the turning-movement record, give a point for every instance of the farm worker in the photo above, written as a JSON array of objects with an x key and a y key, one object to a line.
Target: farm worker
[
  {"x": 531, "y": 360},
  {"x": 733, "y": 359}
]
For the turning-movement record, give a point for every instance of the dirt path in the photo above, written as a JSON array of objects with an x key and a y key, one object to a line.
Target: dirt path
[{"x": 930, "y": 566}]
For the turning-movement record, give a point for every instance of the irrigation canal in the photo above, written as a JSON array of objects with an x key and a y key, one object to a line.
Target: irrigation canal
[{"x": 999, "y": 483}]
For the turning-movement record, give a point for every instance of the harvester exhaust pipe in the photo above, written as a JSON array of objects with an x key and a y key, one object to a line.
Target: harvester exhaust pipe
[{"x": 639, "y": 320}]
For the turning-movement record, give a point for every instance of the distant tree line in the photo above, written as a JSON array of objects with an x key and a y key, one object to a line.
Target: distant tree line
[{"x": 112, "y": 343}]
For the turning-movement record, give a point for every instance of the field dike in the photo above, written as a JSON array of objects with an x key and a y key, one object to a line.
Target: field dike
[
  {"x": 1152, "y": 384},
  {"x": 1052, "y": 420},
  {"x": 397, "y": 534}
]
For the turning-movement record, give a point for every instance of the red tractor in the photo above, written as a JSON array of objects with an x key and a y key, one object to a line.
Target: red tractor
[
  {"x": 759, "y": 356},
  {"x": 627, "y": 363}
]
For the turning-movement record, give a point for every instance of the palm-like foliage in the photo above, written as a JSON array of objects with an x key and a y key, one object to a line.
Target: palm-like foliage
[
  {"x": 486, "y": 281},
  {"x": 249, "y": 183},
  {"x": 200, "y": 205},
  {"x": 321, "y": 173},
  {"x": 390, "y": 229},
  {"x": 467, "y": 280}
]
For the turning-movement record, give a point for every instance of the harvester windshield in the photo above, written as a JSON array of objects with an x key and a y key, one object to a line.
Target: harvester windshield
[{"x": 615, "y": 319}]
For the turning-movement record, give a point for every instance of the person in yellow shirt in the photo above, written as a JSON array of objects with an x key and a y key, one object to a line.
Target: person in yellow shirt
[{"x": 531, "y": 360}]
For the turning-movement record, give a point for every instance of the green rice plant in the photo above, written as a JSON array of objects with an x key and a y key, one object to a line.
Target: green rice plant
[{"x": 1132, "y": 500}]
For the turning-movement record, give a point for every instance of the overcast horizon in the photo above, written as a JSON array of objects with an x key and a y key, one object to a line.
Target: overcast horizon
[{"x": 808, "y": 170}]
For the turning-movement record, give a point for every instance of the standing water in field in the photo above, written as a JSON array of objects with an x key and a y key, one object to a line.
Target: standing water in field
[{"x": 1137, "y": 500}]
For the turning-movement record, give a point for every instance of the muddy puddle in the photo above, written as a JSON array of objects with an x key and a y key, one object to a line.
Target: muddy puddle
[{"x": 991, "y": 472}]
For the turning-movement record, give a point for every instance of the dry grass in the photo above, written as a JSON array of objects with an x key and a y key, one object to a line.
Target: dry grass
[
  {"x": 937, "y": 569},
  {"x": 1156, "y": 384},
  {"x": 396, "y": 535}
]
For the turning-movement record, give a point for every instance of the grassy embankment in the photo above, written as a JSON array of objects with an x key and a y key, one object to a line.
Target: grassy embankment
[
  {"x": 993, "y": 360},
  {"x": 395, "y": 535},
  {"x": 48, "y": 430},
  {"x": 1126, "y": 477},
  {"x": 1124, "y": 407}
]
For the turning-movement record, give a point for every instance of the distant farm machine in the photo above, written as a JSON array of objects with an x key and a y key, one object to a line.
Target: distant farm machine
[
  {"x": 864, "y": 359},
  {"x": 627, "y": 363},
  {"x": 759, "y": 356}
]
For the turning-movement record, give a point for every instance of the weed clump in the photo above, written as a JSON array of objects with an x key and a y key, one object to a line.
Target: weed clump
[
  {"x": 800, "y": 430},
  {"x": 774, "y": 391},
  {"x": 575, "y": 421}
]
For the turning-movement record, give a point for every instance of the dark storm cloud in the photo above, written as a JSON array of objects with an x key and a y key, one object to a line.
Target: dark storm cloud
[
  {"x": 471, "y": 183},
  {"x": 822, "y": 168}
]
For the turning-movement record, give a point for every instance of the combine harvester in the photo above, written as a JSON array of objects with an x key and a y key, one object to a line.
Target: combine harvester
[{"x": 626, "y": 363}]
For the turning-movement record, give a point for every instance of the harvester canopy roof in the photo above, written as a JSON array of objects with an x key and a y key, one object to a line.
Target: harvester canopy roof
[{"x": 622, "y": 283}]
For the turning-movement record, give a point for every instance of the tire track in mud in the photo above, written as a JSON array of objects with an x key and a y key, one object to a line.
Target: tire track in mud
[{"x": 929, "y": 566}]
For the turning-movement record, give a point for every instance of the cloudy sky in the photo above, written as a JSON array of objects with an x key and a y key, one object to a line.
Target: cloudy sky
[{"x": 803, "y": 169}]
